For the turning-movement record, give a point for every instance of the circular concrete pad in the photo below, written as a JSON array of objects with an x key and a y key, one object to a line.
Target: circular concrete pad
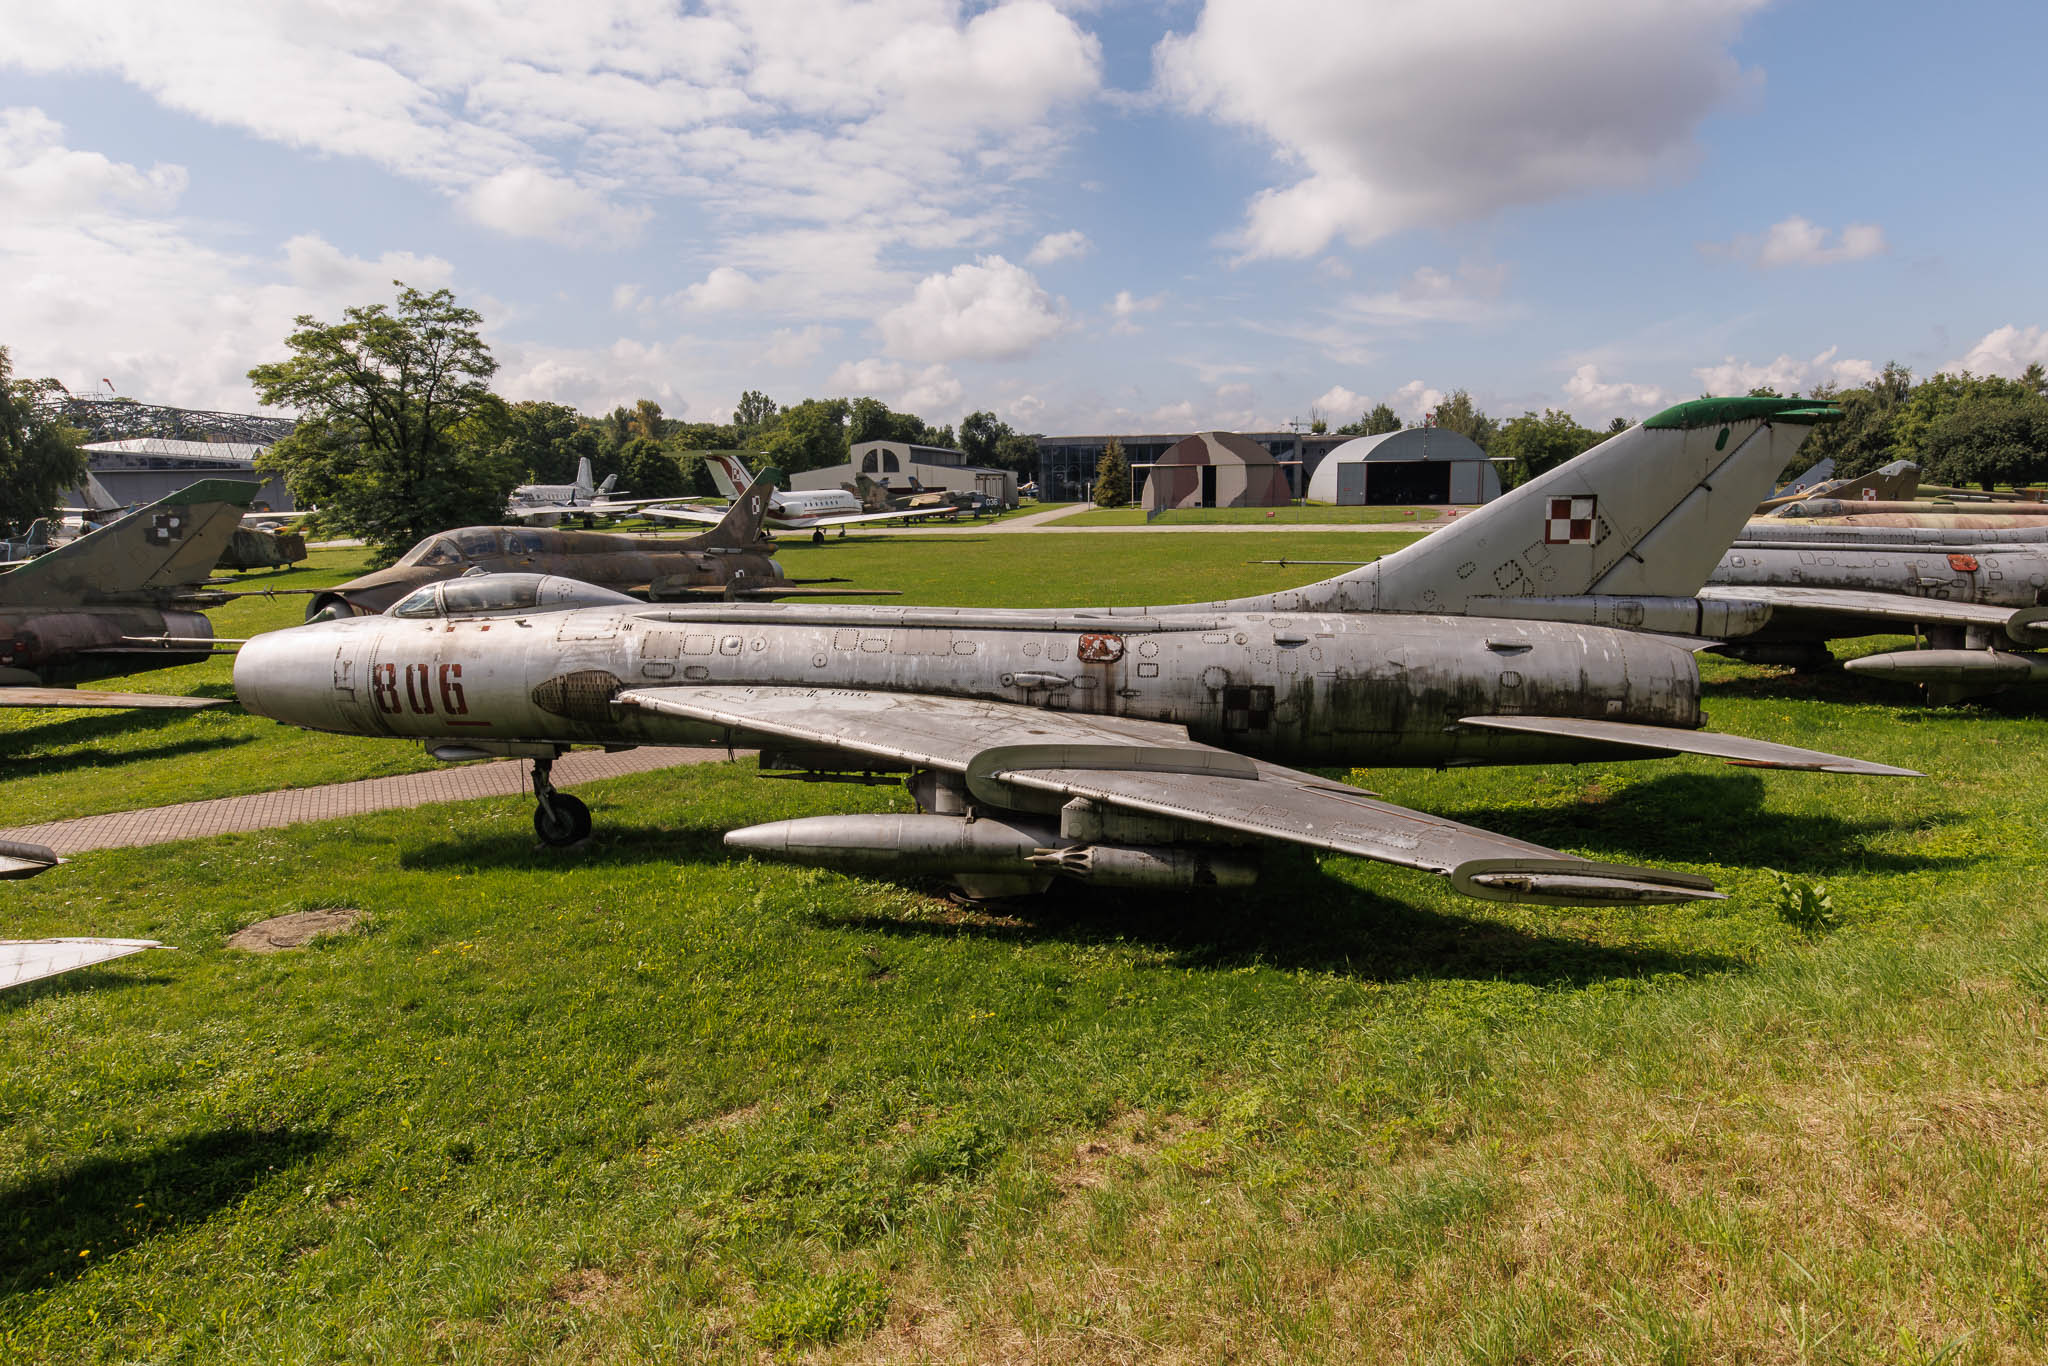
[{"x": 295, "y": 930}]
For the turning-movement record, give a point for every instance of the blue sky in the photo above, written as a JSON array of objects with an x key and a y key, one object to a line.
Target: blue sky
[{"x": 1086, "y": 217}]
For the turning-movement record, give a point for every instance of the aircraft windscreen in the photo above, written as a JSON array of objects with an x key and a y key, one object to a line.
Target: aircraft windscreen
[
  {"x": 477, "y": 594},
  {"x": 490, "y": 593},
  {"x": 438, "y": 550}
]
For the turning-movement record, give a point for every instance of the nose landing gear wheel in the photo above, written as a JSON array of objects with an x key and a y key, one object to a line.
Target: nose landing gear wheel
[
  {"x": 562, "y": 820},
  {"x": 558, "y": 819},
  {"x": 818, "y": 537}
]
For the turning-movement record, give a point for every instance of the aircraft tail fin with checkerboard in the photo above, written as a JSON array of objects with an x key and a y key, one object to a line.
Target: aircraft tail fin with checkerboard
[{"x": 1646, "y": 513}]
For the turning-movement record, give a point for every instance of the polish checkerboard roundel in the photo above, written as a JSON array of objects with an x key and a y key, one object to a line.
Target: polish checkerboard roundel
[{"x": 1570, "y": 521}]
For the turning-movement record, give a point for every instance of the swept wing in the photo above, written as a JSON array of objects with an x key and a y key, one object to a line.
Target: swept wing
[{"x": 1016, "y": 756}]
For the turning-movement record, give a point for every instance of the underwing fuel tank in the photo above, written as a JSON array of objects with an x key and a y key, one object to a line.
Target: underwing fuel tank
[
  {"x": 1968, "y": 667},
  {"x": 945, "y": 846}
]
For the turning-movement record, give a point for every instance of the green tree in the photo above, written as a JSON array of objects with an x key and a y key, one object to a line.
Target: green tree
[
  {"x": 980, "y": 432},
  {"x": 1458, "y": 414},
  {"x": 648, "y": 470},
  {"x": 1381, "y": 420},
  {"x": 870, "y": 419},
  {"x": 1863, "y": 439},
  {"x": 809, "y": 436},
  {"x": 1617, "y": 425},
  {"x": 40, "y": 457},
  {"x": 1018, "y": 452},
  {"x": 400, "y": 434},
  {"x": 2035, "y": 378},
  {"x": 1998, "y": 440},
  {"x": 544, "y": 441},
  {"x": 1538, "y": 445},
  {"x": 757, "y": 412},
  {"x": 1112, "y": 476}
]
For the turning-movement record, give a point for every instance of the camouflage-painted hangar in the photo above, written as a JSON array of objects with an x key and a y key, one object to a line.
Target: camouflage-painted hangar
[{"x": 1212, "y": 470}]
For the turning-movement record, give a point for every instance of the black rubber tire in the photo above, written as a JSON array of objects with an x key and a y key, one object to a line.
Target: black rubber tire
[
  {"x": 818, "y": 538},
  {"x": 563, "y": 821}
]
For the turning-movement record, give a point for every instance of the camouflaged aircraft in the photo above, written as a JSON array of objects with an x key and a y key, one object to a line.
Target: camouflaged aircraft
[
  {"x": 119, "y": 600},
  {"x": 1132, "y": 746},
  {"x": 730, "y": 560}
]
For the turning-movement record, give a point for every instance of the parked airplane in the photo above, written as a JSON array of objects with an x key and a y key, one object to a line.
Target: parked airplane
[
  {"x": 814, "y": 511},
  {"x": 1131, "y": 746},
  {"x": 118, "y": 600},
  {"x": 731, "y": 558},
  {"x": 549, "y": 504},
  {"x": 1896, "y": 480}
]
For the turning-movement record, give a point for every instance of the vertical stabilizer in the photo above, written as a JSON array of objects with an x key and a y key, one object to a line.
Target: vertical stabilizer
[
  {"x": 728, "y": 474},
  {"x": 172, "y": 543},
  {"x": 1647, "y": 512},
  {"x": 611, "y": 481},
  {"x": 740, "y": 529},
  {"x": 585, "y": 477}
]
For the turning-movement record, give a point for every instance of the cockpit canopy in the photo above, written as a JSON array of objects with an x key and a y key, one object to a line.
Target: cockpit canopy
[
  {"x": 489, "y": 595},
  {"x": 473, "y": 543}
]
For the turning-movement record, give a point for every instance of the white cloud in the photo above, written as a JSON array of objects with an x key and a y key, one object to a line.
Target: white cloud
[
  {"x": 930, "y": 390},
  {"x": 2004, "y": 351},
  {"x": 1433, "y": 296},
  {"x": 722, "y": 290},
  {"x": 1413, "y": 400},
  {"x": 907, "y": 119},
  {"x": 1059, "y": 246},
  {"x": 1524, "y": 103},
  {"x": 1797, "y": 242},
  {"x": 628, "y": 299},
  {"x": 987, "y": 310},
  {"x": 1608, "y": 398},
  {"x": 793, "y": 346},
  {"x": 42, "y": 178},
  {"x": 1125, "y": 307},
  {"x": 527, "y": 201},
  {"x": 1340, "y": 405},
  {"x": 1786, "y": 374}
]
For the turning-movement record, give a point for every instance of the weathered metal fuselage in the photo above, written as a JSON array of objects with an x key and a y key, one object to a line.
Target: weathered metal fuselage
[
  {"x": 1316, "y": 690},
  {"x": 83, "y": 644},
  {"x": 2009, "y": 577}
]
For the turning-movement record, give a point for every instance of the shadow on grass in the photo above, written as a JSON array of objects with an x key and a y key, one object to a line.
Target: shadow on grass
[
  {"x": 1301, "y": 920},
  {"x": 1687, "y": 816},
  {"x": 512, "y": 844},
  {"x": 103, "y": 1205},
  {"x": 31, "y": 765},
  {"x": 97, "y": 980}
]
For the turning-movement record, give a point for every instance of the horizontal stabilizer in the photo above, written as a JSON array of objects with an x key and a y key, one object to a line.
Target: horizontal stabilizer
[
  {"x": 86, "y": 697},
  {"x": 1736, "y": 749},
  {"x": 1793, "y": 604},
  {"x": 31, "y": 960}
]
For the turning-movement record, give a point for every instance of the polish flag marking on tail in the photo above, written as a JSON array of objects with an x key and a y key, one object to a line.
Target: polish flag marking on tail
[{"x": 1570, "y": 521}]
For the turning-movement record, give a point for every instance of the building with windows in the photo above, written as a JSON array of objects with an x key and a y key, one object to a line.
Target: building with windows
[
  {"x": 142, "y": 469},
  {"x": 1417, "y": 465},
  {"x": 900, "y": 466}
]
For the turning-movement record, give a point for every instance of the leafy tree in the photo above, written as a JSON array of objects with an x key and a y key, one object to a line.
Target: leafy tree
[
  {"x": 1112, "y": 476},
  {"x": 702, "y": 436},
  {"x": 756, "y": 413},
  {"x": 647, "y": 470},
  {"x": 2035, "y": 378},
  {"x": 1862, "y": 440},
  {"x": 1998, "y": 440},
  {"x": 1618, "y": 425},
  {"x": 545, "y": 440},
  {"x": 1381, "y": 420},
  {"x": 870, "y": 419},
  {"x": 40, "y": 457},
  {"x": 647, "y": 421},
  {"x": 809, "y": 436},
  {"x": 401, "y": 436},
  {"x": 979, "y": 433},
  {"x": 1537, "y": 445},
  {"x": 1016, "y": 451},
  {"x": 1458, "y": 414}
]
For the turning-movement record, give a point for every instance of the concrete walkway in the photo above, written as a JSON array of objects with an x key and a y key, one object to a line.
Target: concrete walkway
[{"x": 295, "y": 806}]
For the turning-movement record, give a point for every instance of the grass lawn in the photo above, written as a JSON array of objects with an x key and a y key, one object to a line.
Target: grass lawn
[
  {"x": 1309, "y": 515},
  {"x": 641, "y": 1102}
]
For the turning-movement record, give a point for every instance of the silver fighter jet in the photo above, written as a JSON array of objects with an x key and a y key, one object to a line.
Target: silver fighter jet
[{"x": 1131, "y": 746}]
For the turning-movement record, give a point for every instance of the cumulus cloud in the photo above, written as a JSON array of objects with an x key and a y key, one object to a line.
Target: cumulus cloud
[
  {"x": 1797, "y": 242},
  {"x": 1125, "y": 307},
  {"x": 1588, "y": 392},
  {"x": 1786, "y": 374},
  {"x": 932, "y": 388},
  {"x": 2004, "y": 351},
  {"x": 792, "y": 346},
  {"x": 42, "y": 178},
  {"x": 1525, "y": 103},
  {"x": 723, "y": 289},
  {"x": 986, "y": 310},
  {"x": 907, "y": 117},
  {"x": 1340, "y": 405},
  {"x": 1059, "y": 246},
  {"x": 1414, "y": 400}
]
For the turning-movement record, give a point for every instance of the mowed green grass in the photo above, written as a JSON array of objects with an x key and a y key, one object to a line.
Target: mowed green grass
[
  {"x": 1304, "y": 514},
  {"x": 641, "y": 1102}
]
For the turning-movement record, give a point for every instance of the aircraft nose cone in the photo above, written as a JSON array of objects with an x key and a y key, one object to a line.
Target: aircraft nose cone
[{"x": 285, "y": 675}]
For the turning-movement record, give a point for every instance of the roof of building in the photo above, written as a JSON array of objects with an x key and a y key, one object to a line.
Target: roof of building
[
  {"x": 213, "y": 452},
  {"x": 1410, "y": 443}
]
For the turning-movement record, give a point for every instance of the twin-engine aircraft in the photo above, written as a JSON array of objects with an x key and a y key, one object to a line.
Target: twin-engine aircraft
[
  {"x": 814, "y": 511},
  {"x": 549, "y": 504},
  {"x": 1136, "y": 746},
  {"x": 119, "y": 600}
]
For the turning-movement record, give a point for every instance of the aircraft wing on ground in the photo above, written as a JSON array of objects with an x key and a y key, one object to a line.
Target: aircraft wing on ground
[
  {"x": 86, "y": 697},
  {"x": 1019, "y": 756},
  {"x": 856, "y": 518},
  {"x": 1736, "y": 749},
  {"x": 1827, "y": 609},
  {"x": 31, "y": 960},
  {"x": 668, "y": 512}
]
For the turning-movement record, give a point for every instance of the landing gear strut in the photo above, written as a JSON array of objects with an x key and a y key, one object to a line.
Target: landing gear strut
[
  {"x": 818, "y": 537},
  {"x": 559, "y": 819}
]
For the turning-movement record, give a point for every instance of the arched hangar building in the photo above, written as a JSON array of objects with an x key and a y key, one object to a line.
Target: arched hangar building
[{"x": 1416, "y": 465}]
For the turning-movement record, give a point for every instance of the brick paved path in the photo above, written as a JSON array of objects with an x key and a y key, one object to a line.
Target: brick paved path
[{"x": 268, "y": 810}]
